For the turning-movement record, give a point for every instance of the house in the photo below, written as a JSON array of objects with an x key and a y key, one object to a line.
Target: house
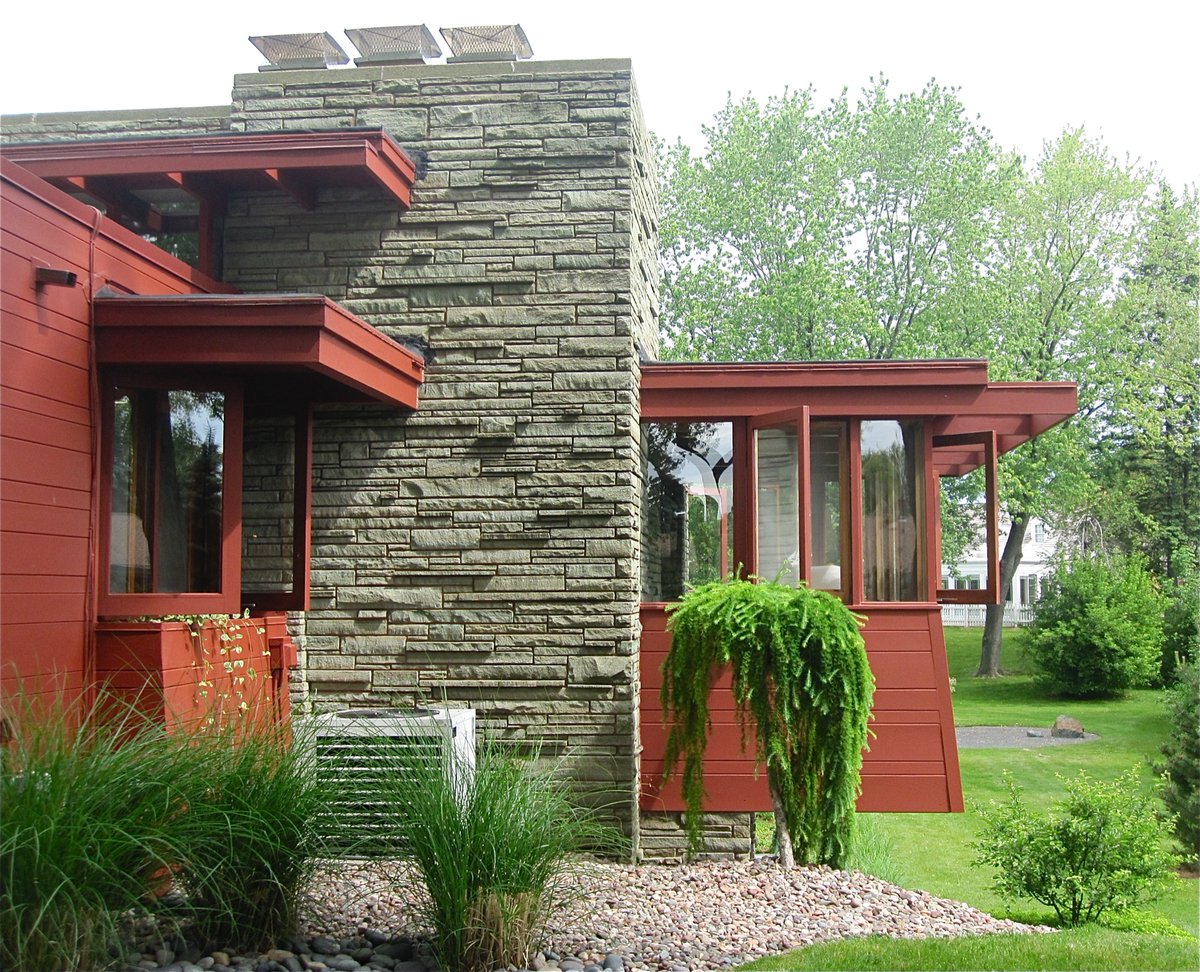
[
  {"x": 1020, "y": 599},
  {"x": 405, "y": 409}
]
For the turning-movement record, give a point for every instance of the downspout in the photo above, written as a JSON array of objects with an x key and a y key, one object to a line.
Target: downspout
[{"x": 90, "y": 612}]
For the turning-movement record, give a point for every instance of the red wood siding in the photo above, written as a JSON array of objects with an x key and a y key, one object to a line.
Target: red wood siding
[
  {"x": 912, "y": 763},
  {"x": 47, "y": 432}
]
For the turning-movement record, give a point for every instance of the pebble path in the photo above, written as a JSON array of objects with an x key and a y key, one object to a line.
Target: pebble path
[{"x": 662, "y": 918}]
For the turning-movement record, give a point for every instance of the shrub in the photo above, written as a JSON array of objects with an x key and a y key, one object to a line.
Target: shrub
[
  {"x": 1181, "y": 771},
  {"x": 1181, "y": 626},
  {"x": 248, "y": 840},
  {"x": 1098, "y": 629},
  {"x": 490, "y": 848},
  {"x": 800, "y": 678},
  {"x": 88, "y": 817},
  {"x": 1102, "y": 848}
]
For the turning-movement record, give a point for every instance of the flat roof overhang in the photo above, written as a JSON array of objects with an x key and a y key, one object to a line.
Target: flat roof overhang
[
  {"x": 954, "y": 395},
  {"x": 275, "y": 336},
  {"x": 209, "y": 167}
]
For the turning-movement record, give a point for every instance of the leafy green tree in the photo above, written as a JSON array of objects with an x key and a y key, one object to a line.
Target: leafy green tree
[
  {"x": 1064, "y": 235},
  {"x": 824, "y": 233},
  {"x": 1181, "y": 771},
  {"x": 1148, "y": 462}
]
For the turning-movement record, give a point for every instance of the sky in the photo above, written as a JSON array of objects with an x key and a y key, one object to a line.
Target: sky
[{"x": 1027, "y": 68}]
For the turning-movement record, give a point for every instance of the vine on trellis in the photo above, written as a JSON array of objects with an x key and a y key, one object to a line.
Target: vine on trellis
[{"x": 800, "y": 679}]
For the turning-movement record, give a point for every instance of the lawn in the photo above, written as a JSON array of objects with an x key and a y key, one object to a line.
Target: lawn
[{"x": 932, "y": 851}]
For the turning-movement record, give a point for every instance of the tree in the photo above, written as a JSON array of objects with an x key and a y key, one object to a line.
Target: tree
[
  {"x": 1149, "y": 458},
  {"x": 800, "y": 679},
  {"x": 839, "y": 232},
  {"x": 1063, "y": 238}
]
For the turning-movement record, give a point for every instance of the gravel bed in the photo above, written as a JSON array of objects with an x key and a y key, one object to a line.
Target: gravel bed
[
  {"x": 1014, "y": 737},
  {"x": 676, "y": 917}
]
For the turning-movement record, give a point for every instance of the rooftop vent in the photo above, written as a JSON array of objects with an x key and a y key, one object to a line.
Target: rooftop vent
[
  {"x": 393, "y": 45},
  {"x": 506, "y": 42},
  {"x": 291, "y": 52}
]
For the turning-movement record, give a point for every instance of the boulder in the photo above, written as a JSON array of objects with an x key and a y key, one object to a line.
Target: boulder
[{"x": 1067, "y": 728}]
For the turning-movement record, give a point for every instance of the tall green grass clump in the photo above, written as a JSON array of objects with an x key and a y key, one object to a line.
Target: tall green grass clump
[
  {"x": 247, "y": 844},
  {"x": 491, "y": 848},
  {"x": 88, "y": 813}
]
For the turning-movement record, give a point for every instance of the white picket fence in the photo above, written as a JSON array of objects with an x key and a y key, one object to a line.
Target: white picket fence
[{"x": 972, "y": 615}]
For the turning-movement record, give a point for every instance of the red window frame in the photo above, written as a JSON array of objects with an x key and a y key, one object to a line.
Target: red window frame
[{"x": 154, "y": 603}]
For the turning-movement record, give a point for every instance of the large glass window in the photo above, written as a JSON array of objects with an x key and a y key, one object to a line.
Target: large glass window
[
  {"x": 892, "y": 506},
  {"x": 166, "y": 519},
  {"x": 687, "y": 507}
]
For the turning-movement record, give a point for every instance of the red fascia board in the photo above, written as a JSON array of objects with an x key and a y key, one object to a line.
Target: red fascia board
[
  {"x": 329, "y": 156},
  {"x": 263, "y": 332},
  {"x": 658, "y": 376}
]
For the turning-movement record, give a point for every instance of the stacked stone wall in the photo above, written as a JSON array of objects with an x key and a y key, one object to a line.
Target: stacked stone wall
[
  {"x": 72, "y": 126},
  {"x": 484, "y": 548}
]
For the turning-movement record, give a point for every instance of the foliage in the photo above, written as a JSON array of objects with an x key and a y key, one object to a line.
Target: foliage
[
  {"x": 103, "y": 809},
  {"x": 490, "y": 847},
  {"x": 1181, "y": 625},
  {"x": 248, "y": 839},
  {"x": 1098, "y": 629},
  {"x": 1101, "y": 850},
  {"x": 800, "y": 680},
  {"x": 88, "y": 816},
  {"x": 1181, "y": 771},
  {"x": 1141, "y": 922}
]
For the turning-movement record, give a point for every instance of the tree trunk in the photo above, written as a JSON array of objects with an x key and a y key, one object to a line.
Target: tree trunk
[
  {"x": 993, "y": 626},
  {"x": 783, "y": 836}
]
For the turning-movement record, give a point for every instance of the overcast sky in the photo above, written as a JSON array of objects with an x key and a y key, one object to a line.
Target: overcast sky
[{"x": 1028, "y": 68}]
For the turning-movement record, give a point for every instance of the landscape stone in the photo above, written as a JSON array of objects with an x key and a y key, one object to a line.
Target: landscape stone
[{"x": 1066, "y": 727}]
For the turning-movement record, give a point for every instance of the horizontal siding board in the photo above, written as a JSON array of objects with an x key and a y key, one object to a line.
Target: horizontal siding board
[
  {"x": 40, "y": 554},
  {"x": 32, "y": 608},
  {"x": 44, "y": 494},
  {"x": 36, "y": 462},
  {"x": 54, "y": 521},
  {"x": 27, "y": 426}
]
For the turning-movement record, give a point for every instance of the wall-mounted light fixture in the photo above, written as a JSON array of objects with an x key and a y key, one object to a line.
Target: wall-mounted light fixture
[{"x": 49, "y": 277}]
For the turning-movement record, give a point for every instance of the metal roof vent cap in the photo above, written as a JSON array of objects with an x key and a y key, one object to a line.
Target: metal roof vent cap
[
  {"x": 412, "y": 44},
  {"x": 506, "y": 42},
  {"x": 299, "y": 52}
]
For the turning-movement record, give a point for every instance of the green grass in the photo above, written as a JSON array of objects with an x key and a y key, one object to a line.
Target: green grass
[
  {"x": 934, "y": 850},
  {"x": 1089, "y": 948}
]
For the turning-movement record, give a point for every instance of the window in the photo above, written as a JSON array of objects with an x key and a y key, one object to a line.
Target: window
[
  {"x": 1029, "y": 590},
  {"x": 687, "y": 510},
  {"x": 173, "y": 500},
  {"x": 828, "y": 517},
  {"x": 893, "y": 527},
  {"x": 1039, "y": 531}
]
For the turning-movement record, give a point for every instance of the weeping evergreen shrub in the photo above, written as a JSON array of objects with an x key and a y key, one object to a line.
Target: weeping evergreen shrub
[{"x": 800, "y": 680}]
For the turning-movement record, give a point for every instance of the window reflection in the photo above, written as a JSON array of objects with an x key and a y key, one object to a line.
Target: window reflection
[
  {"x": 892, "y": 526},
  {"x": 777, "y": 459},
  {"x": 687, "y": 506},
  {"x": 828, "y": 518},
  {"x": 165, "y": 528}
]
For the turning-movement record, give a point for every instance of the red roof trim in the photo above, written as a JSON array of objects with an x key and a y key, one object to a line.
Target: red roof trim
[
  {"x": 344, "y": 156},
  {"x": 265, "y": 333},
  {"x": 955, "y": 395}
]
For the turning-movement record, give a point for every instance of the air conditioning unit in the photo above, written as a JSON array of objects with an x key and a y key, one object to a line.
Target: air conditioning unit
[{"x": 358, "y": 754}]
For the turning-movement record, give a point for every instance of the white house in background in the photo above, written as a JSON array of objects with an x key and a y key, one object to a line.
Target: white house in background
[{"x": 1019, "y": 600}]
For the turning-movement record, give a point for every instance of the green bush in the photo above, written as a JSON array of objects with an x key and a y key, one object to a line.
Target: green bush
[
  {"x": 491, "y": 849},
  {"x": 1102, "y": 848},
  {"x": 97, "y": 821},
  {"x": 1098, "y": 629},
  {"x": 1181, "y": 771},
  {"x": 1181, "y": 626},
  {"x": 88, "y": 812},
  {"x": 248, "y": 840}
]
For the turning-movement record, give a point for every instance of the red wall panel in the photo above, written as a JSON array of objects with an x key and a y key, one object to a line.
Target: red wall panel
[
  {"x": 912, "y": 761},
  {"x": 47, "y": 429}
]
